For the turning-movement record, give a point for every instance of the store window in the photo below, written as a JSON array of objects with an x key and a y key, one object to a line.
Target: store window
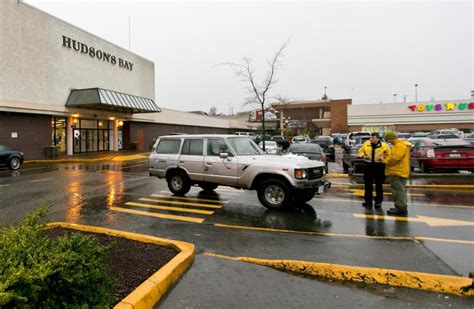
[{"x": 58, "y": 138}]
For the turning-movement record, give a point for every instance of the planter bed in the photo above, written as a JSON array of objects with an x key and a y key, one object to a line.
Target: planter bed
[{"x": 130, "y": 262}]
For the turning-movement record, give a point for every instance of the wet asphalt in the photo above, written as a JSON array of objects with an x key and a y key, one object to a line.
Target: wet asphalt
[{"x": 331, "y": 228}]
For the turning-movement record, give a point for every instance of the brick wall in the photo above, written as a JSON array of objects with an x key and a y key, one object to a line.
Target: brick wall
[{"x": 339, "y": 116}]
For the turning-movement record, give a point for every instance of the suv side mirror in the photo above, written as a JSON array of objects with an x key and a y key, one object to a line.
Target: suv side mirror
[{"x": 223, "y": 155}]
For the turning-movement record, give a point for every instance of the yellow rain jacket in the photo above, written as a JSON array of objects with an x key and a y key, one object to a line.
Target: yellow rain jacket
[
  {"x": 380, "y": 152},
  {"x": 398, "y": 163}
]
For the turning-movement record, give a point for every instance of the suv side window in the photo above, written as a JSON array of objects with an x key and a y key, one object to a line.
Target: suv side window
[
  {"x": 216, "y": 147},
  {"x": 168, "y": 146},
  {"x": 192, "y": 147}
]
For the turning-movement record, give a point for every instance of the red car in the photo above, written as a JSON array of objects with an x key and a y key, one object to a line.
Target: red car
[{"x": 437, "y": 154}]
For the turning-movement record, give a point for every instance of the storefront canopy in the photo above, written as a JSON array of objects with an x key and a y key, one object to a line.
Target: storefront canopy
[{"x": 102, "y": 99}]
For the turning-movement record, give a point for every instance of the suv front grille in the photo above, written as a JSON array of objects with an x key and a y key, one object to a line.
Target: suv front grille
[{"x": 316, "y": 172}]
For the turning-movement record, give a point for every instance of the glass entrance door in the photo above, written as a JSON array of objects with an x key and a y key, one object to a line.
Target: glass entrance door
[{"x": 91, "y": 140}]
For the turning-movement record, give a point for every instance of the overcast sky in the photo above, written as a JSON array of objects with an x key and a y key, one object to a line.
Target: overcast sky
[{"x": 366, "y": 51}]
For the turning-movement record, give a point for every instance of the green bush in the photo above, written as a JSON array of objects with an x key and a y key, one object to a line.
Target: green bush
[{"x": 39, "y": 271}]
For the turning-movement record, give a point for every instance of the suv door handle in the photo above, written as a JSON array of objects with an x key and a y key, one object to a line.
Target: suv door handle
[
  {"x": 161, "y": 161},
  {"x": 208, "y": 163},
  {"x": 181, "y": 162}
]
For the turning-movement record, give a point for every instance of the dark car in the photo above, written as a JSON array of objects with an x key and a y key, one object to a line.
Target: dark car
[
  {"x": 433, "y": 154},
  {"x": 258, "y": 138},
  {"x": 311, "y": 151},
  {"x": 10, "y": 158},
  {"x": 351, "y": 163},
  {"x": 281, "y": 141},
  {"x": 327, "y": 144}
]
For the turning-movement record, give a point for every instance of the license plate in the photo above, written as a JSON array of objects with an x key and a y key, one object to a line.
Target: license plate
[
  {"x": 320, "y": 189},
  {"x": 454, "y": 155}
]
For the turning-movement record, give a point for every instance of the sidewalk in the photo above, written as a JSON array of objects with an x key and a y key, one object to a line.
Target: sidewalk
[{"x": 120, "y": 156}]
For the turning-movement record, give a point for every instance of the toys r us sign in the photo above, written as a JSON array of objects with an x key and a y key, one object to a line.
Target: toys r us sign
[{"x": 441, "y": 107}]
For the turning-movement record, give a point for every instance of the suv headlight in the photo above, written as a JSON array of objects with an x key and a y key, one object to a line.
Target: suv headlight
[{"x": 300, "y": 173}]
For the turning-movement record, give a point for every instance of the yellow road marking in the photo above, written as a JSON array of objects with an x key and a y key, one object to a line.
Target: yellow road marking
[
  {"x": 410, "y": 205},
  {"x": 415, "y": 186},
  {"x": 130, "y": 166},
  {"x": 360, "y": 192},
  {"x": 418, "y": 238},
  {"x": 337, "y": 175},
  {"x": 400, "y": 278},
  {"x": 39, "y": 180},
  {"x": 189, "y": 198},
  {"x": 158, "y": 215},
  {"x": 180, "y": 203},
  {"x": 162, "y": 207},
  {"x": 431, "y": 221}
]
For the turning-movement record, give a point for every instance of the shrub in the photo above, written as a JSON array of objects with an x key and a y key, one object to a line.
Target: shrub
[{"x": 40, "y": 271}]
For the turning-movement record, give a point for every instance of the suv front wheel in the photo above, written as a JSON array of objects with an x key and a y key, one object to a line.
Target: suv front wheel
[
  {"x": 178, "y": 183},
  {"x": 275, "y": 194}
]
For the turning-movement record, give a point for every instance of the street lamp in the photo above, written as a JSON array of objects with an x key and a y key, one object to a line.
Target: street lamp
[
  {"x": 395, "y": 97},
  {"x": 416, "y": 93}
]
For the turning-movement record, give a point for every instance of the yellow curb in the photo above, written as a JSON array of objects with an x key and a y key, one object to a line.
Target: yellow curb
[
  {"x": 147, "y": 294},
  {"x": 397, "y": 278},
  {"x": 337, "y": 175},
  {"x": 109, "y": 158}
]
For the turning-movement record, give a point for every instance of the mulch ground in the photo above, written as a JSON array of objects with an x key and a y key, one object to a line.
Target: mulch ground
[{"x": 130, "y": 262}]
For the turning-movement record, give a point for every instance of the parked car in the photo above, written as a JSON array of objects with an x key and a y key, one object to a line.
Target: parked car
[
  {"x": 10, "y": 158},
  {"x": 351, "y": 137},
  {"x": 351, "y": 163},
  {"x": 258, "y": 138},
  {"x": 245, "y": 134},
  {"x": 310, "y": 151},
  {"x": 469, "y": 138},
  {"x": 328, "y": 146},
  {"x": 420, "y": 134},
  {"x": 235, "y": 161},
  {"x": 451, "y": 154},
  {"x": 404, "y": 135},
  {"x": 300, "y": 139},
  {"x": 281, "y": 141},
  {"x": 443, "y": 136},
  {"x": 271, "y": 147}
]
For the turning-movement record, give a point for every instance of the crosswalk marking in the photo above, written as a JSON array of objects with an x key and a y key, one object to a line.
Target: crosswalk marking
[
  {"x": 170, "y": 208},
  {"x": 189, "y": 198},
  {"x": 158, "y": 215},
  {"x": 180, "y": 203}
]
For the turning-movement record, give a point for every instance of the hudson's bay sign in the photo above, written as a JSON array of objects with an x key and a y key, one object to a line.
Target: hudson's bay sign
[{"x": 96, "y": 53}]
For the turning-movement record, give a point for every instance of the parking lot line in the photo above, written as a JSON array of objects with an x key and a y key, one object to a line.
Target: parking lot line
[
  {"x": 179, "y": 203},
  {"x": 403, "y": 238},
  {"x": 190, "y": 198},
  {"x": 410, "y": 205},
  {"x": 158, "y": 215},
  {"x": 170, "y": 208},
  {"x": 40, "y": 180}
]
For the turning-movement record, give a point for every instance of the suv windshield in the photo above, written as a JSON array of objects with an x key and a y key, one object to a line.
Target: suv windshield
[{"x": 244, "y": 146}]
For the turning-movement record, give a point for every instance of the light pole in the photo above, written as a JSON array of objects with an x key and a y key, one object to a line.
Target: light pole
[
  {"x": 395, "y": 98},
  {"x": 416, "y": 93}
]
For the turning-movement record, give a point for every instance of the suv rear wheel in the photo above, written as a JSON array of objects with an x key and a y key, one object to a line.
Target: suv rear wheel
[
  {"x": 275, "y": 194},
  {"x": 178, "y": 183},
  {"x": 207, "y": 186}
]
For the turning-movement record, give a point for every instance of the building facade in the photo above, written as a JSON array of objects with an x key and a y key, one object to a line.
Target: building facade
[
  {"x": 411, "y": 117},
  {"x": 327, "y": 116},
  {"x": 63, "y": 86}
]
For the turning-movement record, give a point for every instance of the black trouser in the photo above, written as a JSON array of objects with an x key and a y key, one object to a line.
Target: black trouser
[{"x": 374, "y": 172}]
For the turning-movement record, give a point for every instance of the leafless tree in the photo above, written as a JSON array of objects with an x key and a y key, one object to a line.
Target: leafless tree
[
  {"x": 259, "y": 92},
  {"x": 212, "y": 111}
]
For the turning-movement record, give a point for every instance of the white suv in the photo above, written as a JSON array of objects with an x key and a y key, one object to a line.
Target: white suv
[{"x": 236, "y": 161}]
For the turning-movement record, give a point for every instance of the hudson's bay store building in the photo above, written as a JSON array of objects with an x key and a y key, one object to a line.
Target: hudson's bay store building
[{"x": 61, "y": 85}]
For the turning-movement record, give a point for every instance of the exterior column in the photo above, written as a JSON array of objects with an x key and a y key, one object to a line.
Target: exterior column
[
  {"x": 69, "y": 136},
  {"x": 115, "y": 145}
]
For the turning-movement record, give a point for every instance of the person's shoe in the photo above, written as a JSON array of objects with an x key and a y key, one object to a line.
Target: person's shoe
[
  {"x": 396, "y": 212},
  {"x": 378, "y": 206},
  {"x": 366, "y": 205}
]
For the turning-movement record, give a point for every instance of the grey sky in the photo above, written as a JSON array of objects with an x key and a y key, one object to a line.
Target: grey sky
[{"x": 362, "y": 50}]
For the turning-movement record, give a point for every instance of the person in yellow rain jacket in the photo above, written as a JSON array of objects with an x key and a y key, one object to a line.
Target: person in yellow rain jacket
[
  {"x": 373, "y": 151},
  {"x": 397, "y": 167}
]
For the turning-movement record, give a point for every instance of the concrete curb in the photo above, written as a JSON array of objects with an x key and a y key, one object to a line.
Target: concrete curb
[
  {"x": 110, "y": 158},
  {"x": 147, "y": 294},
  {"x": 398, "y": 278}
]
